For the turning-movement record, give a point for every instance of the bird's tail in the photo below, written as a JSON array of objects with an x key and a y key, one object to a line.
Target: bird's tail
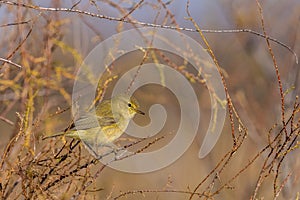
[{"x": 55, "y": 135}]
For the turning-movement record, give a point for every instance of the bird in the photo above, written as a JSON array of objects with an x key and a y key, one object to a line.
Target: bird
[{"x": 104, "y": 124}]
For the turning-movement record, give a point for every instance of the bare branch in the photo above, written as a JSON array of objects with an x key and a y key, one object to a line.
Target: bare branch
[{"x": 10, "y": 62}]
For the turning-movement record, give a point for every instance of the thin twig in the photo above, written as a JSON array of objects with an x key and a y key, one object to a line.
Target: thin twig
[
  {"x": 40, "y": 8},
  {"x": 11, "y": 62},
  {"x": 6, "y": 120}
]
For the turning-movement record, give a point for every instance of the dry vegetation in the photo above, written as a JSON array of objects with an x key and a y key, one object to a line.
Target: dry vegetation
[{"x": 257, "y": 156}]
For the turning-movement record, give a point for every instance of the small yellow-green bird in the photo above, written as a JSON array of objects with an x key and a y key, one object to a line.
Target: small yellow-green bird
[{"x": 111, "y": 120}]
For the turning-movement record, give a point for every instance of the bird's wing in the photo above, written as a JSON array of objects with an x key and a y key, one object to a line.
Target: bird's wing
[{"x": 87, "y": 122}]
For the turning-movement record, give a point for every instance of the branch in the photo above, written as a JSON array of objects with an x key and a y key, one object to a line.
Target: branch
[
  {"x": 122, "y": 19},
  {"x": 10, "y": 62}
]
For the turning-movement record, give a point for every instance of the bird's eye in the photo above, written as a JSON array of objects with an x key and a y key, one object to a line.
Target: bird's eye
[{"x": 129, "y": 104}]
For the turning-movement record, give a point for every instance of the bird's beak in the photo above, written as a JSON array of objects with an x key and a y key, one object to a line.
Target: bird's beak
[{"x": 139, "y": 112}]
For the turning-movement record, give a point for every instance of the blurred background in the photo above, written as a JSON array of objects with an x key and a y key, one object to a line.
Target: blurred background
[{"x": 51, "y": 45}]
